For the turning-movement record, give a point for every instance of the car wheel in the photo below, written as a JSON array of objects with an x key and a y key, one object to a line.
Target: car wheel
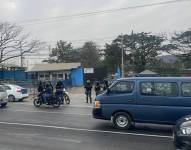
[
  {"x": 11, "y": 98},
  {"x": 122, "y": 120},
  {"x": 3, "y": 105}
]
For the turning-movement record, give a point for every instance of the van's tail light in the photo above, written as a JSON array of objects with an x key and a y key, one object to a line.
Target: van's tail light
[
  {"x": 18, "y": 90},
  {"x": 97, "y": 104}
]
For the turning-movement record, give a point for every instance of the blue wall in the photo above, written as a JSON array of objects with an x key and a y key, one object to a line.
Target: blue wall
[
  {"x": 77, "y": 77},
  {"x": 13, "y": 75}
]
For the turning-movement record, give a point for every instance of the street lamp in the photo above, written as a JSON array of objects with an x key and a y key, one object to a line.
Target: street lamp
[{"x": 122, "y": 57}]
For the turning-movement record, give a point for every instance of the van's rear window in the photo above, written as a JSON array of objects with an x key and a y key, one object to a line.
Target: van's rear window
[
  {"x": 159, "y": 89},
  {"x": 186, "y": 89}
]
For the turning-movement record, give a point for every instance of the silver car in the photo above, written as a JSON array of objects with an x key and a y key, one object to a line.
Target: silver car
[{"x": 3, "y": 96}]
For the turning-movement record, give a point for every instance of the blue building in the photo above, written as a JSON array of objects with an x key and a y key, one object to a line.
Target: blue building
[{"x": 70, "y": 73}]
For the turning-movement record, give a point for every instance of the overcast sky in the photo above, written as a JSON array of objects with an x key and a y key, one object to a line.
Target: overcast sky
[{"x": 100, "y": 28}]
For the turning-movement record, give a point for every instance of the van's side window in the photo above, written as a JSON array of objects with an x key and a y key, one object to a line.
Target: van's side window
[
  {"x": 122, "y": 87},
  {"x": 159, "y": 89},
  {"x": 186, "y": 89},
  {"x": 147, "y": 88}
]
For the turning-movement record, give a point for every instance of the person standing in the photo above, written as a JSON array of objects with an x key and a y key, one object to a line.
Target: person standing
[
  {"x": 88, "y": 91},
  {"x": 97, "y": 88},
  {"x": 106, "y": 85}
]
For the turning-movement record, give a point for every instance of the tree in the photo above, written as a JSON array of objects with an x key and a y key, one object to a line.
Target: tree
[
  {"x": 90, "y": 55},
  {"x": 180, "y": 46},
  {"x": 63, "y": 53},
  {"x": 140, "y": 48},
  {"x": 14, "y": 43},
  {"x": 112, "y": 56}
]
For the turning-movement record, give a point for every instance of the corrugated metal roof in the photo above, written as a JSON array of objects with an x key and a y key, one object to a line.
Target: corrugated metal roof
[{"x": 54, "y": 67}]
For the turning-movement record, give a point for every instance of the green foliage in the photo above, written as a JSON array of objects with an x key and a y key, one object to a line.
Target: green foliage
[
  {"x": 142, "y": 49},
  {"x": 63, "y": 53},
  {"x": 90, "y": 55},
  {"x": 182, "y": 43}
]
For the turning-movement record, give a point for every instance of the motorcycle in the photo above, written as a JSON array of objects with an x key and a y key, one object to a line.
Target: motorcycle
[{"x": 53, "y": 100}]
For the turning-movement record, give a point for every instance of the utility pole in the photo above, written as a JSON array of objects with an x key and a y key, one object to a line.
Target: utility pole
[
  {"x": 21, "y": 52},
  {"x": 122, "y": 57}
]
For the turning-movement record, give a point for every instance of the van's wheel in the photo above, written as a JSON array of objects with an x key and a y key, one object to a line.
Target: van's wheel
[
  {"x": 11, "y": 98},
  {"x": 122, "y": 120}
]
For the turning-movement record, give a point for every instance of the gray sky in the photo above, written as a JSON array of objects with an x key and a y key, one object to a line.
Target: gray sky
[{"x": 99, "y": 28}]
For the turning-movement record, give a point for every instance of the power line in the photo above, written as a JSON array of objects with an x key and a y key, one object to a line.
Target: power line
[{"x": 80, "y": 15}]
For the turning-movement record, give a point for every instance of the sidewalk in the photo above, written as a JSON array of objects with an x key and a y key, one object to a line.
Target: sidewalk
[{"x": 77, "y": 95}]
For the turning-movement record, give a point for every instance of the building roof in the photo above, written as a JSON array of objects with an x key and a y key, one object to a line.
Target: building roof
[
  {"x": 157, "y": 78},
  {"x": 148, "y": 72},
  {"x": 54, "y": 67}
]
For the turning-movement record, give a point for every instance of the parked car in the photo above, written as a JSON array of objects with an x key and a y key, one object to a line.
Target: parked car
[
  {"x": 15, "y": 92},
  {"x": 159, "y": 100},
  {"x": 3, "y": 96},
  {"x": 182, "y": 133}
]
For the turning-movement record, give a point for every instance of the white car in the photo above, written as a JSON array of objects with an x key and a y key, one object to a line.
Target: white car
[
  {"x": 3, "y": 96},
  {"x": 15, "y": 92}
]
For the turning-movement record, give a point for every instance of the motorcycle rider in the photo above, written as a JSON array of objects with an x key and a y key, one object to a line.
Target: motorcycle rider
[
  {"x": 40, "y": 87},
  {"x": 88, "y": 91},
  {"x": 48, "y": 93},
  {"x": 59, "y": 89}
]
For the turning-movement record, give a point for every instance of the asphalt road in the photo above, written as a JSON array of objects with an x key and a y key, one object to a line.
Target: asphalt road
[{"x": 24, "y": 127}]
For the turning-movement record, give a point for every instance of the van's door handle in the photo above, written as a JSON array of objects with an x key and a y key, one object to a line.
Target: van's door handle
[{"x": 130, "y": 100}]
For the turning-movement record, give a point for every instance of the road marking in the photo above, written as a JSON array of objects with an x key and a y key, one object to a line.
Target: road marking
[
  {"x": 80, "y": 114},
  {"x": 86, "y": 130},
  {"x": 77, "y": 106},
  {"x": 63, "y": 139}
]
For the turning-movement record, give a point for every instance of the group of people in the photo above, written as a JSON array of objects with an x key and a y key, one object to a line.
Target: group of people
[
  {"x": 47, "y": 88},
  {"x": 97, "y": 88}
]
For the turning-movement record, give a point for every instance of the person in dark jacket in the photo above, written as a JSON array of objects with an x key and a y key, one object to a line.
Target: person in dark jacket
[
  {"x": 40, "y": 87},
  {"x": 40, "y": 90},
  {"x": 48, "y": 93},
  {"x": 97, "y": 88},
  {"x": 59, "y": 90},
  {"x": 59, "y": 85},
  {"x": 88, "y": 91},
  {"x": 106, "y": 85}
]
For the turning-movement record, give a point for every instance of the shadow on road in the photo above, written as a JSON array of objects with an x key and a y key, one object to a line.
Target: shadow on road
[{"x": 139, "y": 128}]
